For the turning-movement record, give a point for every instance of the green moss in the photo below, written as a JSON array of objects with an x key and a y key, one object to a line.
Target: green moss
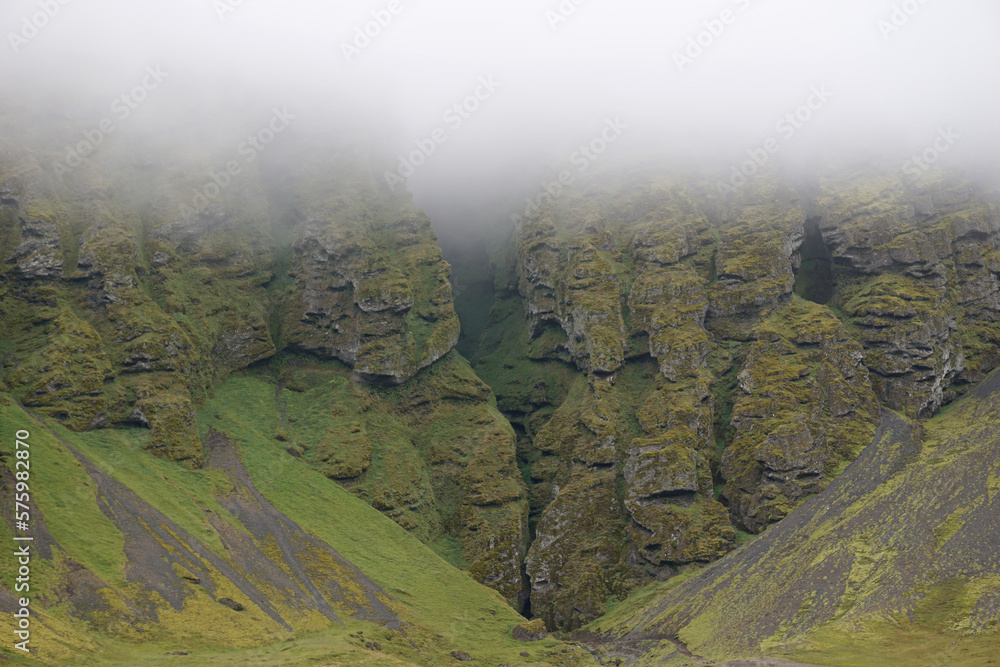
[
  {"x": 805, "y": 405},
  {"x": 522, "y": 381},
  {"x": 65, "y": 377},
  {"x": 170, "y": 414}
]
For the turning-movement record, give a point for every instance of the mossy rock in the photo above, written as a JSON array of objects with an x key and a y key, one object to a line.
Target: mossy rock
[
  {"x": 65, "y": 378},
  {"x": 172, "y": 419},
  {"x": 805, "y": 406},
  {"x": 576, "y": 540}
]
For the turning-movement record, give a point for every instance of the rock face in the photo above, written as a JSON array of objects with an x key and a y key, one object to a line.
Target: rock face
[
  {"x": 573, "y": 291},
  {"x": 371, "y": 288},
  {"x": 804, "y": 407},
  {"x": 38, "y": 255},
  {"x": 679, "y": 367},
  {"x": 68, "y": 373},
  {"x": 757, "y": 251},
  {"x": 916, "y": 264}
]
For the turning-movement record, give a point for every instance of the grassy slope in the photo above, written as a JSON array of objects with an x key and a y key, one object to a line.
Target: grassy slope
[{"x": 446, "y": 610}]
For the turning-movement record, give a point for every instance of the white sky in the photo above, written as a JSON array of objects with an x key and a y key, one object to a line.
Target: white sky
[{"x": 941, "y": 68}]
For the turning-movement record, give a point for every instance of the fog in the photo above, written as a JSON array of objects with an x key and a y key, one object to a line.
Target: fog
[{"x": 533, "y": 80}]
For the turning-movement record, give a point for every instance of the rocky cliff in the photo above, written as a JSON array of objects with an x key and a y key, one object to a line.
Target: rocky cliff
[
  {"x": 894, "y": 563},
  {"x": 685, "y": 368}
]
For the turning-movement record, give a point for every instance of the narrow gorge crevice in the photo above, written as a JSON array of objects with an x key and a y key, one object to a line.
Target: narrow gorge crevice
[
  {"x": 814, "y": 280},
  {"x": 489, "y": 321}
]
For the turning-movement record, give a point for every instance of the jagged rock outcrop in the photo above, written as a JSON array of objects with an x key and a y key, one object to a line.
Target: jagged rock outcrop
[
  {"x": 918, "y": 280},
  {"x": 371, "y": 288},
  {"x": 38, "y": 256},
  {"x": 576, "y": 286},
  {"x": 669, "y": 306},
  {"x": 32, "y": 246},
  {"x": 803, "y": 409},
  {"x": 67, "y": 374},
  {"x": 909, "y": 329},
  {"x": 757, "y": 257},
  {"x": 761, "y": 397}
]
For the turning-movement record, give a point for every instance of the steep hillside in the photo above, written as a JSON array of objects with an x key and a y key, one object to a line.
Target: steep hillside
[
  {"x": 894, "y": 563},
  {"x": 252, "y": 559}
]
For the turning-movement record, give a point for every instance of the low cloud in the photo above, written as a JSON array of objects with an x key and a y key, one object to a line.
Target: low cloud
[{"x": 706, "y": 82}]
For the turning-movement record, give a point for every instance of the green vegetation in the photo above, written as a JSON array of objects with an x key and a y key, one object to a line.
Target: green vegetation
[
  {"x": 442, "y": 608},
  {"x": 71, "y": 514},
  {"x": 435, "y": 594},
  {"x": 279, "y": 442},
  {"x": 846, "y": 553}
]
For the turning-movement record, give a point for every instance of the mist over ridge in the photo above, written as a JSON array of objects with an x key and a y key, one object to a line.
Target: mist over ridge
[{"x": 465, "y": 99}]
